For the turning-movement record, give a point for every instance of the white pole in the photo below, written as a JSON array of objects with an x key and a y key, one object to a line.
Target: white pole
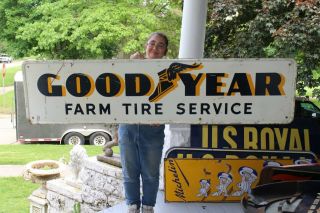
[{"x": 193, "y": 28}]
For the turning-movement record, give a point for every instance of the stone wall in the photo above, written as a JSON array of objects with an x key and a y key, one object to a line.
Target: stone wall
[{"x": 101, "y": 188}]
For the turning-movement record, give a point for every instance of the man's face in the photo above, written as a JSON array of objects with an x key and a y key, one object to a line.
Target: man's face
[{"x": 156, "y": 47}]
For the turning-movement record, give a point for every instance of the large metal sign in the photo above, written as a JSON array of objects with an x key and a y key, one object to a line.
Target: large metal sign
[
  {"x": 212, "y": 180},
  {"x": 300, "y": 135},
  {"x": 232, "y": 91},
  {"x": 196, "y": 153}
]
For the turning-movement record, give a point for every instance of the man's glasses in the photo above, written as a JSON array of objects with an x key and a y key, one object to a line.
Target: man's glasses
[{"x": 156, "y": 45}]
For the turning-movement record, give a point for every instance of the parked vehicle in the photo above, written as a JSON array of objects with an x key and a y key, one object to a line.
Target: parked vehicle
[
  {"x": 4, "y": 58},
  {"x": 95, "y": 134}
]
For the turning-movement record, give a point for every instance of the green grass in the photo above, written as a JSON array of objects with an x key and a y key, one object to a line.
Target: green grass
[
  {"x": 7, "y": 102},
  {"x": 14, "y": 193},
  {"x": 23, "y": 154},
  {"x": 10, "y": 72}
]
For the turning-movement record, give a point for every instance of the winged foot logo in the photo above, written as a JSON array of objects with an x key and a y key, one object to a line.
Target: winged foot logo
[{"x": 168, "y": 79}]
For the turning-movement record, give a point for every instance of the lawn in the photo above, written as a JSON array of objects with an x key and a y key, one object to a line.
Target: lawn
[
  {"x": 7, "y": 99},
  {"x": 7, "y": 102},
  {"x": 14, "y": 193},
  {"x": 23, "y": 154},
  {"x": 9, "y": 78}
]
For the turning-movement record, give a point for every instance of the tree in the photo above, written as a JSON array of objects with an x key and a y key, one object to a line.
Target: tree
[
  {"x": 13, "y": 14},
  {"x": 81, "y": 29},
  {"x": 261, "y": 28}
]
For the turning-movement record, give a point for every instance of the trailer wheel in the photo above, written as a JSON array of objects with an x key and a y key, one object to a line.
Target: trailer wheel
[
  {"x": 74, "y": 138},
  {"x": 99, "y": 139}
]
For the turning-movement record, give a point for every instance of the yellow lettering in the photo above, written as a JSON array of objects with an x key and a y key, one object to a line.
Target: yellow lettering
[
  {"x": 251, "y": 157},
  {"x": 108, "y": 83},
  {"x": 137, "y": 79},
  {"x": 214, "y": 135},
  {"x": 219, "y": 82},
  {"x": 226, "y": 136},
  {"x": 208, "y": 156},
  {"x": 232, "y": 157},
  {"x": 91, "y": 83},
  {"x": 189, "y": 156},
  {"x": 49, "y": 84},
  {"x": 268, "y": 80},
  {"x": 269, "y": 157},
  {"x": 281, "y": 138},
  {"x": 267, "y": 135},
  {"x": 295, "y": 140},
  {"x": 152, "y": 85},
  {"x": 306, "y": 140},
  {"x": 180, "y": 156},
  {"x": 121, "y": 85},
  {"x": 78, "y": 85},
  {"x": 205, "y": 136},
  {"x": 281, "y": 85},
  {"x": 250, "y": 138}
]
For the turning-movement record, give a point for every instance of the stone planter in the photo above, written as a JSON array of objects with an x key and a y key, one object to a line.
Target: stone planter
[{"x": 40, "y": 172}]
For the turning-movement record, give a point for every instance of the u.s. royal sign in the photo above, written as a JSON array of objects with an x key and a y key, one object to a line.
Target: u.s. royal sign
[{"x": 208, "y": 91}]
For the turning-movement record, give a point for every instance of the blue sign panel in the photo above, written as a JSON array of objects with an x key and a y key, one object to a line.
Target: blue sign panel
[{"x": 303, "y": 134}]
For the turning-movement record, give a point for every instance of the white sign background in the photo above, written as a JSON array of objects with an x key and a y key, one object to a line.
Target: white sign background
[{"x": 263, "y": 109}]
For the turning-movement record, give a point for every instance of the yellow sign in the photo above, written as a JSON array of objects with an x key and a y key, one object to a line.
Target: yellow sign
[{"x": 212, "y": 180}]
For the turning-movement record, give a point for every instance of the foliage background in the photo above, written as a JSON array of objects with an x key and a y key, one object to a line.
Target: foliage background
[
  {"x": 261, "y": 28},
  {"x": 81, "y": 29}
]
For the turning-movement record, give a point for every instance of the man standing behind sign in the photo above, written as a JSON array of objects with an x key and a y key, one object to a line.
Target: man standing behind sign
[{"x": 141, "y": 146}]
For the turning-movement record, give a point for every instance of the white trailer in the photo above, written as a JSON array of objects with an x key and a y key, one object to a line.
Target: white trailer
[{"x": 90, "y": 133}]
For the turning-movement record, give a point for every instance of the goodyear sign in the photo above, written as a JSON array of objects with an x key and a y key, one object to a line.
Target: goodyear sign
[
  {"x": 205, "y": 91},
  {"x": 212, "y": 180}
]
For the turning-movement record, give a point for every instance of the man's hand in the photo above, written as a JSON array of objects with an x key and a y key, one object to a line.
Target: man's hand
[{"x": 137, "y": 55}]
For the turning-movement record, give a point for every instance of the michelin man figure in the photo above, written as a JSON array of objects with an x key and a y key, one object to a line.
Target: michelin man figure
[
  {"x": 204, "y": 188},
  {"x": 225, "y": 180},
  {"x": 248, "y": 177}
]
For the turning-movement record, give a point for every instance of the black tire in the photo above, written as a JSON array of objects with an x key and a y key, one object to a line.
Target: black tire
[
  {"x": 99, "y": 139},
  {"x": 74, "y": 138}
]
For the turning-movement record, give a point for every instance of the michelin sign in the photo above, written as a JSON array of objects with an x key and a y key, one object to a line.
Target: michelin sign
[{"x": 208, "y": 91}]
